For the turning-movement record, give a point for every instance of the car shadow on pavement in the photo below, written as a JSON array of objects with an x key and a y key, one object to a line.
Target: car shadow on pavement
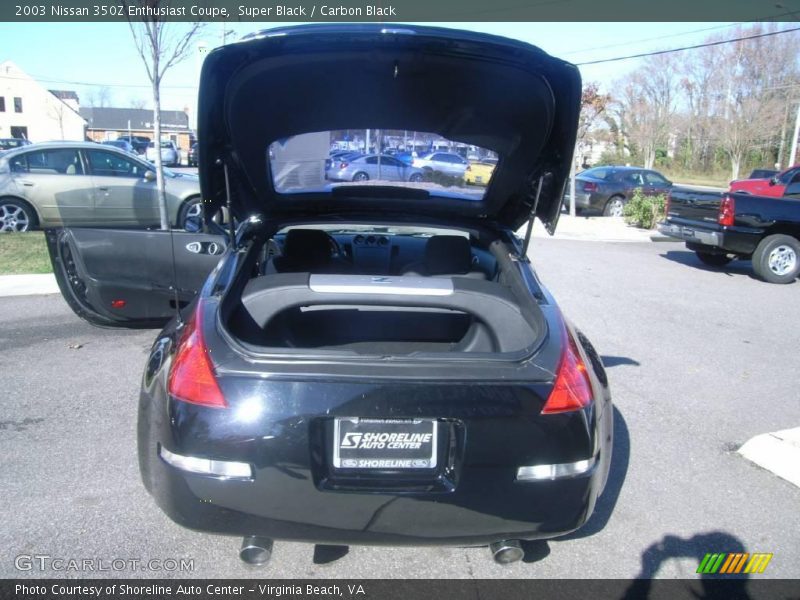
[
  {"x": 620, "y": 459},
  {"x": 689, "y": 258},
  {"x": 616, "y": 361},
  {"x": 696, "y": 547},
  {"x": 328, "y": 553}
]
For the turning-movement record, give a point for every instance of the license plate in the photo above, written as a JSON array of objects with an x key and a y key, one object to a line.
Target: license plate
[{"x": 384, "y": 443}]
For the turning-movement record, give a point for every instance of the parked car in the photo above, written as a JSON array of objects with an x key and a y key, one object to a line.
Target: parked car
[
  {"x": 448, "y": 163},
  {"x": 170, "y": 155},
  {"x": 479, "y": 171},
  {"x": 406, "y": 157},
  {"x": 139, "y": 142},
  {"x": 87, "y": 184},
  {"x": 773, "y": 186},
  {"x": 121, "y": 144},
  {"x": 405, "y": 379},
  {"x": 373, "y": 166},
  {"x": 191, "y": 158},
  {"x": 10, "y": 143},
  {"x": 338, "y": 156},
  {"x": 606, "y": 190},
  {"x": 721, "y": 227}
]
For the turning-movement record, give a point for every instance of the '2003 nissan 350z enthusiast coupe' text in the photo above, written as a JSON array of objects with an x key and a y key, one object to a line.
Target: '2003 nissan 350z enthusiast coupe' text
[{"x": 368, "y": 362}]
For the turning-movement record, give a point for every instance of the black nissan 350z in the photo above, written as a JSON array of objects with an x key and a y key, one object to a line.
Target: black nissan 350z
[{"x": 371, "y": 361}]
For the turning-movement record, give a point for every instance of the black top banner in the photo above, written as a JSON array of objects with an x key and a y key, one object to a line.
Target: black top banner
[{"x": 397, "y": 10}]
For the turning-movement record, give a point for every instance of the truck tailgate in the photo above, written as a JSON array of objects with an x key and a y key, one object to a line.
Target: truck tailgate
[{"x": 694, "y": 205}]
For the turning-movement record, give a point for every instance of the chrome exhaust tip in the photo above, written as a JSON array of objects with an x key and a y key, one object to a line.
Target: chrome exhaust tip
[
  {"x": 256, "y": 550},
  {"x": 506, "y": 552}
]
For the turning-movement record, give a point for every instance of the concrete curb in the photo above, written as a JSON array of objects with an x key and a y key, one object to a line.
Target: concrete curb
[
  {"x": 597, "y": 229},
  {"x": 777, "y": 452},
  {"x": 28, "y": 285}
]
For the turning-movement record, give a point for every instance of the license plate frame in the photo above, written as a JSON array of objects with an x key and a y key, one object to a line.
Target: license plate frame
[{"x": 364, "y": 452}]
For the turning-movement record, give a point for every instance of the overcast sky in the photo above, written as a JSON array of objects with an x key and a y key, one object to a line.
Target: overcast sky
[{"x": 79, "y": 56}]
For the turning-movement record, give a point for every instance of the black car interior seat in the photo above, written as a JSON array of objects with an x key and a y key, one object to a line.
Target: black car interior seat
[
  {"x": 446, "y": 256},
  {"x": 308, "y": 250}
]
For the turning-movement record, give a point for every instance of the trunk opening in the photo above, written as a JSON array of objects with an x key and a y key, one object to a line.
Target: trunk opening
[{"x": 474, "y": 312}]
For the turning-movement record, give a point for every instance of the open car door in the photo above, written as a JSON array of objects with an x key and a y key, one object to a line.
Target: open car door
[{"x": 126, "y": 277}]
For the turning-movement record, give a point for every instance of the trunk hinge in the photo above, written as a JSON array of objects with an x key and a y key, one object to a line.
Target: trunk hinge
[
  {"x": 231, "y": 225},
  {"x": 529, "y": 231}
]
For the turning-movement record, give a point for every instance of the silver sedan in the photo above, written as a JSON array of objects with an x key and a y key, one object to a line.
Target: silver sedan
[{"x": 373, "y": 167}]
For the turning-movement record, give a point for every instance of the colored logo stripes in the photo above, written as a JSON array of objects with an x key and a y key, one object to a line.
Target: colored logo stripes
[{"x": 734, "y": 562}]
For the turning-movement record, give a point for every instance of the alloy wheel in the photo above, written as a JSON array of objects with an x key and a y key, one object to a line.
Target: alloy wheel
[
  {"x": 615, "y": 208},
  {"x": 13, "y": 218},
  {"x": 195, "y": 210},
  {"x": 782, "y": 260}
]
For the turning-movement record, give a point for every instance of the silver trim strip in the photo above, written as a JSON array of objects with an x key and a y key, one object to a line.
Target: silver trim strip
[
  {"x": 206, "y": 466},
  {"x": 555, "y": 471},
  {"x": 368, "y": 284}
]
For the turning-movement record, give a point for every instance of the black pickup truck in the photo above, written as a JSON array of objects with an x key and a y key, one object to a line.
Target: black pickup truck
[{"x": 721, "y": 226}]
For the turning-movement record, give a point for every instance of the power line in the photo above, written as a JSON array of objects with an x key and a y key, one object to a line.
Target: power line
[
  {"x": 649, "y": 39},
  {"x": 580, "y": 64},
  {"x": 86, "y": 83},
  {"x": 678, "y": 34},
  {"x": 695, "y": 47}
]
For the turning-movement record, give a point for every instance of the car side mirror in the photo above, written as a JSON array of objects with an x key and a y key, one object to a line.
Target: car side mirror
[
  {"x": 193, "y": 224},
  {"x": 149, "y": 175},
  {"x": 773, "y": 180}
]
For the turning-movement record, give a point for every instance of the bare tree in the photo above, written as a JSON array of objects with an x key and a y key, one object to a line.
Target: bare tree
[
  {"x": 57, "y": 110},
  {"x": 160, "y": 46},
  {"x": 648, "y": 104},
  {"x": 758, "y": 73},
  {"x": 593, "y": 108},
  {"x": 99, "y": 97},
  {"x": 138, "y": 103}
]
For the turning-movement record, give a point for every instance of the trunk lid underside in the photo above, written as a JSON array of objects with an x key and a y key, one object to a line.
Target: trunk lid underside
[{"x": 496, "y": 94}]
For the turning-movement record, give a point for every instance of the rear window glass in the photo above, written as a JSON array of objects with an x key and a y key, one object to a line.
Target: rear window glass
[
  {"x": 598, "y": 173},
  {"x": 322, "y": 161}
]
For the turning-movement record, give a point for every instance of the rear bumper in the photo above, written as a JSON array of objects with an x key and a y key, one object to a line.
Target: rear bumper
[
  {"x": 474, "y": 498},
  {"x": 692, "y": 234},
  {"x": 733, "y": 240},
  {"x": 488, "y": 507}
]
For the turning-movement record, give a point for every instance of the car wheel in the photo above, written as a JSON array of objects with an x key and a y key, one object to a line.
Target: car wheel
[
  {"x": 415, "y": 177},
  {"x": 777, "y": 259},
  {"x": 361, "y": 176},
  {"x": 190, "y": 208},
  {"x": 614, "y": 206},
  {"x": 16, "y": 216},
  {"x": 713, "y": 260}
]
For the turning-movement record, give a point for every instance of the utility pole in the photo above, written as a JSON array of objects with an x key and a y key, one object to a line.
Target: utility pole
[
  {"x": 572, "y": 188},
  {"x": 793, "y": 153}
]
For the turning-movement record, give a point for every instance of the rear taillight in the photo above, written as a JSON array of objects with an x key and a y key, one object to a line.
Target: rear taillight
[
  {"x": 589, "y": 187},
  {"x": 192, "y": 378},
  {"x": 727, "y": 208},
  {"x": 572, "y": 389},
  {"x": 343, "y": 165}
]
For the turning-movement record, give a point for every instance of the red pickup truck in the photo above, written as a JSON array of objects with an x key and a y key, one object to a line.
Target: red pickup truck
[{"x": 772, "y": 186}]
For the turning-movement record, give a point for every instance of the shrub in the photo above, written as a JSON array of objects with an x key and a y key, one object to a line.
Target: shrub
[{"x": 645, "y": 211}]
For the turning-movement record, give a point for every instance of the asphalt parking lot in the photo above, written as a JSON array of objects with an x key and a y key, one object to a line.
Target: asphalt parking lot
[{"x": 699, "y": 361}]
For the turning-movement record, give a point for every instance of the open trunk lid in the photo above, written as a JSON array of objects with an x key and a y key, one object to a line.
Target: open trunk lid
[{"x": 478, "y": 92}]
